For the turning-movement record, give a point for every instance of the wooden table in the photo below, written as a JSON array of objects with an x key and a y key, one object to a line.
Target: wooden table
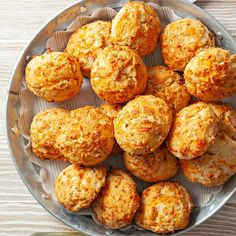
[{"x": 20, "y": 214}]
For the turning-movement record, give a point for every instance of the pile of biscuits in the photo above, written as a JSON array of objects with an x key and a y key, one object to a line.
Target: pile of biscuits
[{"x": 149, "y": 115}]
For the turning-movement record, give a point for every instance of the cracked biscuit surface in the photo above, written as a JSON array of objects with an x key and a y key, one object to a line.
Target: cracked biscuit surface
[
  {"x": 111, "y": 110},
  {"x": 164, "y": 208},
  {"x": 157, "y": 166},
  {"x": 76, "y": 187},
  {"x": 118, "y": 201},
  {"x": 181, "y": 40},
  {"x": 168, "y": 85},
  {"x": 227, "y": 118},
  {"x": 137, "y": 26},
  {"x": 218, "y": 163},
  {"x": 87, "y": 41},
  {"x": 43, "y": 132},
  {"x": 118, "y": 74},
  {"x": 143, "y": 124},
  {"x": 215, "y": 166},
  {"x": 211, "y": 75},
  {"x": 54, "y": 76},
  {"x": 193, "y": 130},
  {"x": 87, "y": 136}
]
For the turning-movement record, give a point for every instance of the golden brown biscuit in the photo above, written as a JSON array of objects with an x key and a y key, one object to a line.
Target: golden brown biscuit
[
  {"x": 137, "y": 26},
  {"x": 87, "y": 42},
  {"x": 76, "y": 187},
  {"x": 87, "y": 136},
  {"x": 168, "y": 85},
  {"x": 112, "y": 110},
  {"x": 233, "y": 72},
  {"x": 193, "y": 130},
  {"x": 227, "y": 119},
  {"x": 218, "y": 163},
  {"x": 118, "y": 201},
  {"x": 181, "y": 40},
  {"x": 157, "y": 166},
  {"x": 118, "y": 74},
  {"x": 143, "y": 124},
  {"x": 164, "y": 208},
  {"x": 54, "y": 76},
  {"x": 43, "y": 132},
  {"x": 210, "y": 75},
  {"x": 215, "y": 166}
]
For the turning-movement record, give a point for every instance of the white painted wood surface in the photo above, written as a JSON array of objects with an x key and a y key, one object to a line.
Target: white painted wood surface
[{"x": 20, "y": 214}]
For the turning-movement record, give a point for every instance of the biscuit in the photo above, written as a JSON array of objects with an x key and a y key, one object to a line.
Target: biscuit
[
  {"x": 43, "y": 132},
  {"x": 168, "y": 85},
  {"x": 137, "y": 26},
  {"x": 215, "y": 166},
  {"x": 193, "y": 130},
  {"x": 87, "y": 136},
  {"x": 112, "y": 110},
  {"x": 181, "y": 40},
  {"x": 164, "y": 208},
  {"x": 118, "y": 74},
  {"x": 76, "y": 187},
  {"x": 143, "y": 124},
  {"x": 210, "y": 75},
  {"x": 118, "y": 201},
  {"x": 227, "y": 119},
  {"x": 157, "y": 166},
  {"x": 87, "y": 42},
  {"x": 54, "y": 76},
  {"x": 218, "y": 163}
]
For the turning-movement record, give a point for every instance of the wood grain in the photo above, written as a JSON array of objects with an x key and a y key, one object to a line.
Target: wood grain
[{"x": 20, "y": 214}]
